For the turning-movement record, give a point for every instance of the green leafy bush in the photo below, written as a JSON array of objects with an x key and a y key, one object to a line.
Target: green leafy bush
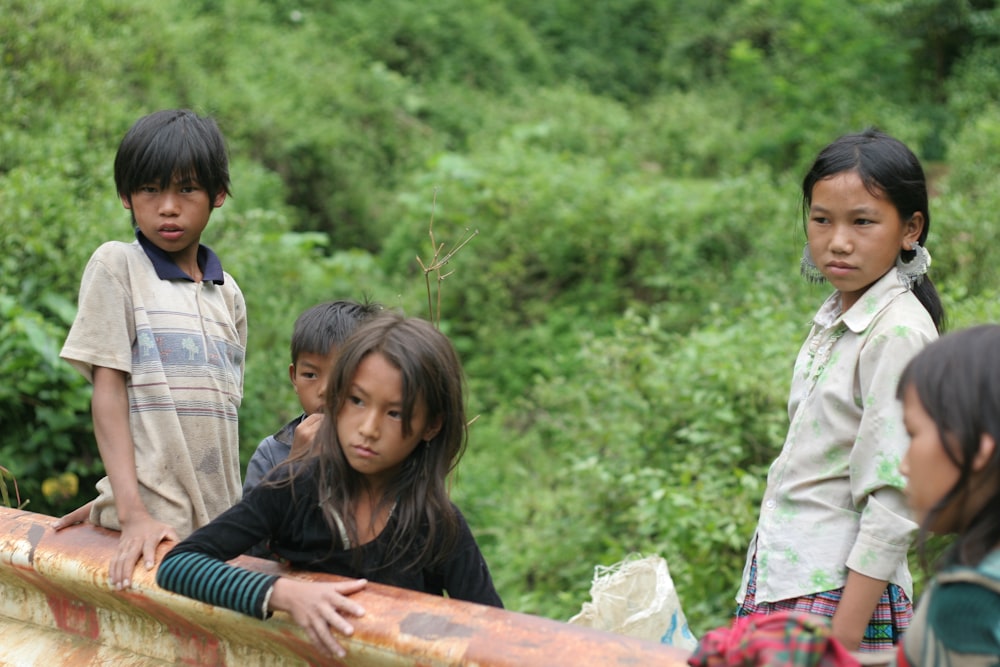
[
  {"x": 41, "y": 403},
  {"x": 635, "y": 446},
  {"x": 477, "y": 43}
]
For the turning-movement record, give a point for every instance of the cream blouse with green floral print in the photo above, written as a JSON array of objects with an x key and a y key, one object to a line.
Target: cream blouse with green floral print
[{"x": 834, "y": 495}]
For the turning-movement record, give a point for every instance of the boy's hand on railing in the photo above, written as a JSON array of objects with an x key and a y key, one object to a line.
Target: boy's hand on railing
[
  {"x": 79, "y": 515},
  {"x": 139, "y": 539},
  {"x": 317, "y": 607}
]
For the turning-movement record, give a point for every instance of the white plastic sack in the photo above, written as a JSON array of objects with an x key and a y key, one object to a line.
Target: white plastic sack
[{"x": 636, "y": 597}]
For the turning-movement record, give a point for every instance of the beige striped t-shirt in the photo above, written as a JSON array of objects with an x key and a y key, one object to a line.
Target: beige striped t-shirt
[{"x": 182, "y": 345}]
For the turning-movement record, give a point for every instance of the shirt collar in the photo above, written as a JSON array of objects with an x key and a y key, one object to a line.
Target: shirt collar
[
  {"x": 167, "y": 269},
  {"x": 287, "y": 432},
  {"x": 859, "y": 316}
]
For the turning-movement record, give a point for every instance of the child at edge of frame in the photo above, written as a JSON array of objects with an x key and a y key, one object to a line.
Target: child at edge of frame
[
  {"x": 834, "y": 529},
  {"x": 369, "y": 502},
  {"x": 950, "y": 396},
  {"x": 161, "y": 333}
]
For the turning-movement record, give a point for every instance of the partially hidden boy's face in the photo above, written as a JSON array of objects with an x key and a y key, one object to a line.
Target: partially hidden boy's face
[
  {"x": 173, "y": 218},
  {"x": 309, "y": 375}
]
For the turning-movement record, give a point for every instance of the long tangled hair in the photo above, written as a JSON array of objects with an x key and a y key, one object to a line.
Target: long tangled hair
[
  {"x": 888, "y": 169},
  {"x": 957, "y": 379},
  {"x": 424, "y": 520}
]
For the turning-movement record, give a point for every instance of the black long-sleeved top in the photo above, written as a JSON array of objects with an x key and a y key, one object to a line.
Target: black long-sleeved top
[{"x": 290, "y": 518}]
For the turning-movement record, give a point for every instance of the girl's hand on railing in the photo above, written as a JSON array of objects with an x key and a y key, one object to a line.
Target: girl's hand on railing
[{"x": 317, "y": 607}]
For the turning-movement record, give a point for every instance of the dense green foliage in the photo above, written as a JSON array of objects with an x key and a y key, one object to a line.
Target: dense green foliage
[{"x": 630, "y": 307}]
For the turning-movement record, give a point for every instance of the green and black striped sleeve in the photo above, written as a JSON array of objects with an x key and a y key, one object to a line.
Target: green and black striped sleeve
[{"x": 208, "y": 579}]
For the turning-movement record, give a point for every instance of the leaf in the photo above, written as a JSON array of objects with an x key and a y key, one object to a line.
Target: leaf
[{"x": 46, "y": 346}]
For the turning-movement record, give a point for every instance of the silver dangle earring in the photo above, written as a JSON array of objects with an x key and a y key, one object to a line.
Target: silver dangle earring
[
  {"x": 808, "y": 268},
  {"x": 912, "y": 273}
]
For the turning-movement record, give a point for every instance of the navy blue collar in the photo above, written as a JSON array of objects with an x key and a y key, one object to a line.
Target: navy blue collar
[{"x": 167, "y": 269}]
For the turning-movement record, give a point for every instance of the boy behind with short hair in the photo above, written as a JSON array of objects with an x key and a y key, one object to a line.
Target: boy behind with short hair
[
  {"x": 161, "y": 333},
  {"x": 317, "y": 337}
]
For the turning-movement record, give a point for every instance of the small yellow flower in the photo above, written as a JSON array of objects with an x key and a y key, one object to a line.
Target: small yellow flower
[{"x": 62, "y": 487}]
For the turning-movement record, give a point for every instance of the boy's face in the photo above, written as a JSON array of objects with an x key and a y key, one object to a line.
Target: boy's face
[
  {"x": 174, "y": 217},
  {"x": 310, "y": 375}
]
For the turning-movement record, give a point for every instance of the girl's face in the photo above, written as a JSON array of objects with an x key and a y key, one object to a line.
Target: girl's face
[
  {"x": 929, "y": 472},
  {"x": 370, "y": 424},
  {"x": 855, "y": 236}
]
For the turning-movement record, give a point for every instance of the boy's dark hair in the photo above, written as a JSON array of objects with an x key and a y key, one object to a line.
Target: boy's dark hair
[
  {"x": 166, "y": 144},
  {"x": 328, "y": 324},
  {"x": 957, "y": 379},
  {"x": 887, "y": 168}
]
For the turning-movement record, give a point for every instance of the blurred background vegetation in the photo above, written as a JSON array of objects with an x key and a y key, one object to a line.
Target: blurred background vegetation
[{"x": 630, "y": 309}]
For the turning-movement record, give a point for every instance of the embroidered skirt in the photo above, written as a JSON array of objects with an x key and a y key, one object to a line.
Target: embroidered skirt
[{"x": 891, "y": 617}]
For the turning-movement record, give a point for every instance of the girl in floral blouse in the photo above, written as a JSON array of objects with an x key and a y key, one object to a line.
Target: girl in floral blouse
[
  {"x": 834, "y": 529},
  {"x": 951, "y": 407}
]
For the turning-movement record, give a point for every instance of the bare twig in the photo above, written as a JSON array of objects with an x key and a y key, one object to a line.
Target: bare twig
[
  {"x": 3, "y": 489},
  {"x": 437, "y": 263}
]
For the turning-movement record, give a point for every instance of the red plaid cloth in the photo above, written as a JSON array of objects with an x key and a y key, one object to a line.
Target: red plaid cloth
[{"x": 790, "y": 639}]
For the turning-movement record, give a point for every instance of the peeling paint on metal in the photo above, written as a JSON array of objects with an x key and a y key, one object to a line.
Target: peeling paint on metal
[
  {"x": 57, "y": 608},
  {"x": 35, "y": 534},
  {"x": 432, "y": 626},
  {"x": 74, "y": 616}
]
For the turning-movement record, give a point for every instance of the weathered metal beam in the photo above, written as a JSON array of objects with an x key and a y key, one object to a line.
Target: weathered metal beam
[{"x": 57, "y": 608}]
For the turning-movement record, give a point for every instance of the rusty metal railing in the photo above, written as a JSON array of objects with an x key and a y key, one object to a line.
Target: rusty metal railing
[{"x": 57, "y": 608}]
